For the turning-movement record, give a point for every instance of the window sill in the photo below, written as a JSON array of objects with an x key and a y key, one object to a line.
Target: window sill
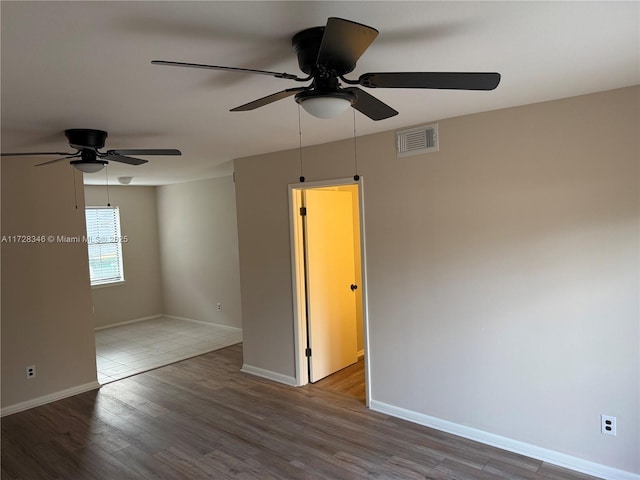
[{"x": 110, "y": 284}]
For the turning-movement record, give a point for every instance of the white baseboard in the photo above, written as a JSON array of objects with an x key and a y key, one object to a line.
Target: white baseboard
[
  {"x": 269, "y": 375},
  {"x": 52, "y": 397},
  {"x": 127, "y": 322},
  {"x": 201, "y": 322},
  {"x": 546, "y": 455},
  {"x": 152, "y": 317}
]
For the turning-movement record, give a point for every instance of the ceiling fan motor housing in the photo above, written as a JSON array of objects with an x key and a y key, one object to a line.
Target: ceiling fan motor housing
[
  {"x": 81, "y": 138},
  {"x": 88, "y": 155}
]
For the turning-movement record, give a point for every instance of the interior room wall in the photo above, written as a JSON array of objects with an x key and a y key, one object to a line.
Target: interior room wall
[
  {"x": 199, "y": 250},
  {"x": 46, "y": 298},
  {"x": 140, "y": 296},
  {"x": 503, "y": 271}
]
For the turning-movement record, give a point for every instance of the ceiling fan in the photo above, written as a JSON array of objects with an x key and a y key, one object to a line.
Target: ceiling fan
[
  {"x": 88, "y": 158},
  {"x": 328, "y": 53}
]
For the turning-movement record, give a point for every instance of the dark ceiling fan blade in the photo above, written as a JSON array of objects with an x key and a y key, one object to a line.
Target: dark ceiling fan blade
[
  {"x": 343, "y": 43},
  {"x": 83, "y": 147},
  {"x": 370, "y": 106},
  {"x": 261, "y": 102},
  {"x": 122, "y": 159},
  {"x": 286, "y": 76},
  {"x": 439, "y": 80},
  {"x": 56, "y": 160},
  {"x": 145, "y": 151},
  {"x": 34, "y": 153}
]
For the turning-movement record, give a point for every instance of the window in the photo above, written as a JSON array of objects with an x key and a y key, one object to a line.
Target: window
[{"x": 104, "y": 243}]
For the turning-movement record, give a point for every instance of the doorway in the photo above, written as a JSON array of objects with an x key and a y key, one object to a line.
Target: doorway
[{"x": 329, "y": 280}]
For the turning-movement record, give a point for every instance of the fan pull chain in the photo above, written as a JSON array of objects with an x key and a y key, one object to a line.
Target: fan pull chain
[
  {"x": 300, "y": 144},
  {"x": 106, "y": 177},
  {"x": 356, "y": 177},
  {"x": 75, "y": 191}
]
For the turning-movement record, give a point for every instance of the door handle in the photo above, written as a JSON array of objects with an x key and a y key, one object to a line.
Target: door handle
[{"x": 354, "y": 287}]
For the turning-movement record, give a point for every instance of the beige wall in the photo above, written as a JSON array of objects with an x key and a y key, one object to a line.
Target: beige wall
[
  {"x": 140, "y": 295},
  {"x": 199, "y": 250},
  {"x": 46, "y": 299},
  {"x": 502, "y": 271}
]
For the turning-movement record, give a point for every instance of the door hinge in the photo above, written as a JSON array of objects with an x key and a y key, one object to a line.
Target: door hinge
[
  {"x": 307, "y": 352},
  {"x": 303, "y": 211}
]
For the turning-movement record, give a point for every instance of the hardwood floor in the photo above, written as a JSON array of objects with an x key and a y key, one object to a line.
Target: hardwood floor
[
  {"x": 349, "y": 381},
  {"x": 203, "y": 419}
]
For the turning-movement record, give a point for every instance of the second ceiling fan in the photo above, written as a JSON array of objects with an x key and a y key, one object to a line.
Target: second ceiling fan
[{"x": 328, "y": 53}]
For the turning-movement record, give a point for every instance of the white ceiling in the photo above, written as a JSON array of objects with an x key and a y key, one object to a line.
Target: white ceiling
[{"x": 87, "y": 65}]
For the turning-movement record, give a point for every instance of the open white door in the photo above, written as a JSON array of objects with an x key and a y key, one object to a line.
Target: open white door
[{"x": 330, "y": 276}]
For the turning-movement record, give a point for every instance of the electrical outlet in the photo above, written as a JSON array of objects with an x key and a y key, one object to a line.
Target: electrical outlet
[
  {"x": 31, "y": 372},
  {"x": 219, "y": 306},
  {"x": 608, "y": 425}
]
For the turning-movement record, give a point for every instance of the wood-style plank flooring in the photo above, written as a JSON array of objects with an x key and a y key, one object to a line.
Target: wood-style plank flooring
[
  {"x": 203, "y": 419},
  {"x": 349, "y": 381}
]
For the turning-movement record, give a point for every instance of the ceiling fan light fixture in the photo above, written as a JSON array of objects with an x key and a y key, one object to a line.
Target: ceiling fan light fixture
[
  {"x": 88, "y": 167},
  {"x": 325, "y": 104},
  {"x": 325, "y": 107}
]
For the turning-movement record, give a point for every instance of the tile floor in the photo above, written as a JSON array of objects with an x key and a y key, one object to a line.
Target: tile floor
[{"x": 125, "y": 350}]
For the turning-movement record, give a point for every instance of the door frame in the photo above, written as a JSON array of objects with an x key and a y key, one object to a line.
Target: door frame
[{"x": 298, "y": 280}]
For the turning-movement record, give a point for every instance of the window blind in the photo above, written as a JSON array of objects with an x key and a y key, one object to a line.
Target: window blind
[{"x": 104, "y": 245}]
